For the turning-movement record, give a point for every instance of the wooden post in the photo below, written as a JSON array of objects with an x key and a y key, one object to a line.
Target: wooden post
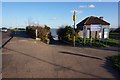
[
  {"x": 90, "y": 38},
  {"x": 84, "y": 41},
  {"x": 95, "y": 34},
  {"x": 74, "y": 40},
  {"x": 36, "y": 33},
  {"x": 84, "y": 34}
]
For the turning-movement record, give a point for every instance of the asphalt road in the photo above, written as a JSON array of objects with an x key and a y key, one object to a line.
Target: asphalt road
[
  {"x": 4, "y": 36},
  {"x": 24, "y": 57}
]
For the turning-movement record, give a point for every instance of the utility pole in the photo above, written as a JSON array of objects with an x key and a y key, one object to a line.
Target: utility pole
[{"x": 74, "y": 19}]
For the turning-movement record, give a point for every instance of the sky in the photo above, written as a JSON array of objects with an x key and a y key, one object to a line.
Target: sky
[
  {"x": 56, "y": 14},
  {"x": 60, "y": 0}
]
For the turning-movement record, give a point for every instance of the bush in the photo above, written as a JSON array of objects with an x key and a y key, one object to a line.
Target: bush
[
  {"x": 65, "y": 33},
  {"x": 79, "y": 40},
  {"x": 43, "y": 32}
]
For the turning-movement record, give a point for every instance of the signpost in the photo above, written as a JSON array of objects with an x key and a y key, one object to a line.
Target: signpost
[{"x": 84, "y": 34}]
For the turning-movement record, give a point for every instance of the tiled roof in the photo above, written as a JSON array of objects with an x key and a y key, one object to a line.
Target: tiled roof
[{"x": 93, "y": 20}]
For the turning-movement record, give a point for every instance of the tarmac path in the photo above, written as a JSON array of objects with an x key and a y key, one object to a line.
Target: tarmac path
[{"x": 24, "y": 57}]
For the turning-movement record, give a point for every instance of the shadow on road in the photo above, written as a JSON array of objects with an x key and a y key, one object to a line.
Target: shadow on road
[
  {"x": 108, "y": 66},
  {"x": 81, "y": 55}
]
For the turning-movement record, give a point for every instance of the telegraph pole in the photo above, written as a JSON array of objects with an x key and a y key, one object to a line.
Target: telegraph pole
[{"x": 74, "y": 19}]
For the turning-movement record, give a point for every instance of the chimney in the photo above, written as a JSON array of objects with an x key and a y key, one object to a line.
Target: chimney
[{"x": 101, "y": 17}]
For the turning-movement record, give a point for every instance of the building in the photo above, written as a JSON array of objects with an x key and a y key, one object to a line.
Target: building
[{"x": 87, "y": 22}]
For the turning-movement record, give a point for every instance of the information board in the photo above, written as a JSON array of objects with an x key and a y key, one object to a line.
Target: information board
[{"x": 95, "y": 27}]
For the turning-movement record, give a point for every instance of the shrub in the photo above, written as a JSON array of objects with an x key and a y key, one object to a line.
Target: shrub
[
  {"x": 31, "y": 31},
  {"x": 43, "y": 32},
  {"x": 65, "y": 33}
]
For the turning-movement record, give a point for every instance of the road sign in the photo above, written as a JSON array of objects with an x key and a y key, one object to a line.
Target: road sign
[{"x": 74, "y": 18}]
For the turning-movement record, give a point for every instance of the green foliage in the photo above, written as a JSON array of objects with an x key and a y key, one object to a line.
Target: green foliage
[
  {"x": 65, "y": 33},
  {"x": 79, "y": 41},
  {"x": 46, "y": 27},
  {"x": 31, "y": 30},
  {"x": 116, "y": 62},
  {"x": 43, "y": 32}
]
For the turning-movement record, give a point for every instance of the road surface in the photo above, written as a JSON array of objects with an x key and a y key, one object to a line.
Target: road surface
[
  {"x": 4, "y": 36},
  {"x": 24, "y": 57}
]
